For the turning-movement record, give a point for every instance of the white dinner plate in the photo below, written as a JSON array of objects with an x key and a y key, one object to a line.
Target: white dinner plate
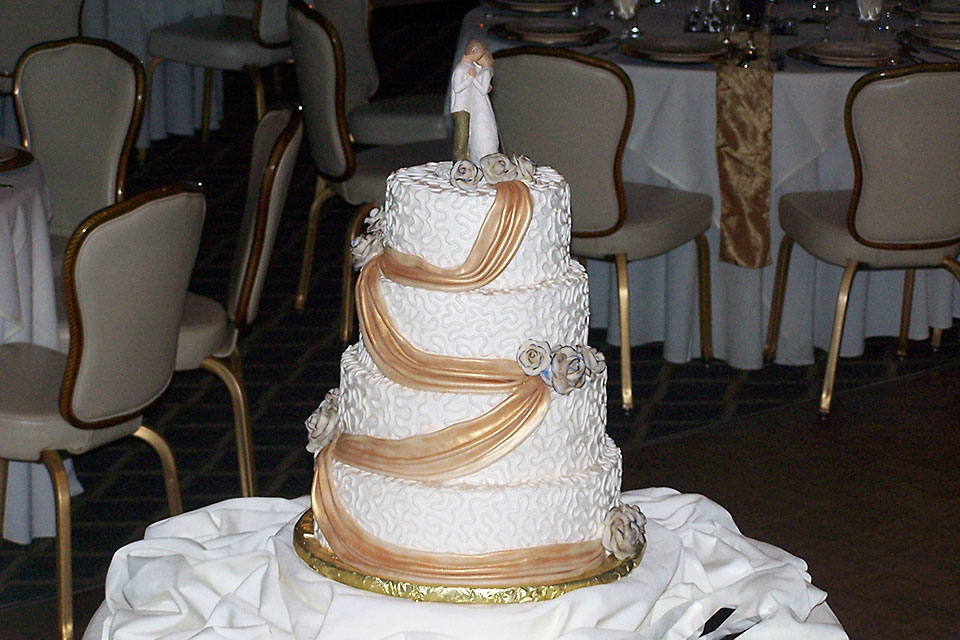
[
  {"x": 946, "y": 36},
  {"x": 533, "y": 6},
  {"x": 550, "y": 31},
  {"x": 846, "y": 53},
  {"x": 685, "y": 48}
]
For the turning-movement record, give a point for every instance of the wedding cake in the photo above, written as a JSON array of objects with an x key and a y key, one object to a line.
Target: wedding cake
[{"x": 466, "y": 444}]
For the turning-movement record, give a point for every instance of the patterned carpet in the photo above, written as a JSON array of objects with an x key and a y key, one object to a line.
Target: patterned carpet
[{"x": 290, "y": 360}]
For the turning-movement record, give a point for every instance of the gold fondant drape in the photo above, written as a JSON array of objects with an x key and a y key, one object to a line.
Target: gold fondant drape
[
  {"x": 744, "y": 127},
  {"x": 456, "y": 449}
]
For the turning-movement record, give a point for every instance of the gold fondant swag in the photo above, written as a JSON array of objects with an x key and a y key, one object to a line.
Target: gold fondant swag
[{"x": 454, "y": 450}]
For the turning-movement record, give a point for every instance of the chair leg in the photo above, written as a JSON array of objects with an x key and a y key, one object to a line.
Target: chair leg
[
  {"x": 207, "y": 99},
  {"x": 3, "y": 490},
  {"x": 61, "y": 492},
  {"x": 703, "y": 280},
  {"x": 241, "y": 423},
  {"x": 346, "y": 293},
  {"x": 905, "y": 308},
  {"x": 151, "y": 67},
  {"x": 277, "y": 83},
  {"x": 776, "y": 303},
  {"x": 167, "y": 462},
  {"x": 258, "y": 94},
  {"x": 951, "y": 265},
  {"x": 623, "y": 298},
  {"x": 836, "y": 334},
  {"x": 322, "y": 193},
  {"x": 936, "y": 338}
]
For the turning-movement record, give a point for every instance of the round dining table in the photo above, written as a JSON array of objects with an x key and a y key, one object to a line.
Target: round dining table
[
  {"x": 27, "y": 314},
  {"x": 673, "y": 142}
]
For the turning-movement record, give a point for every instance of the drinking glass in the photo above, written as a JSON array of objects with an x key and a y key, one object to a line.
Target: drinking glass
[
  {"x": 729, "y": 16},
  {"x": 826, "y": 11}
]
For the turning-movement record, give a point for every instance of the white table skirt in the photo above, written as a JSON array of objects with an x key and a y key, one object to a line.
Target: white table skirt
[
  {"x": 176, "y": 90},
  {"x": 27, "y": 314},
  {"x": 672, "y": 143},
  {"x": 229, "y": 571}
]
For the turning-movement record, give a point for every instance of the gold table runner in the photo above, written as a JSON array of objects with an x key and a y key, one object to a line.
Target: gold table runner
[{"x": 744, "y": 129}]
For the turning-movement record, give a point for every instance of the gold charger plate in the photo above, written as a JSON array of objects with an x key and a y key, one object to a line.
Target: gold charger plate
[
  {"x": 12, "y": 157},
  {"x": 324, "y": 562},
  {"x": 846, "y": 53},
  {"x": 686, "y": 48},
  {"x": 533, "y": 6},
  {"x": 945, "y": 36}
]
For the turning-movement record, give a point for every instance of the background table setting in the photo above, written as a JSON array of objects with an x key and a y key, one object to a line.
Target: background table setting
[
  {"x": 805, "y": 59},
  {"x": 27, "y": 314}
]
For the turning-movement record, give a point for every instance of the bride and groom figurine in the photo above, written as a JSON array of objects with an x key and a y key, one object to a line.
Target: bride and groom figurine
[{"x": 475, "y": 126}]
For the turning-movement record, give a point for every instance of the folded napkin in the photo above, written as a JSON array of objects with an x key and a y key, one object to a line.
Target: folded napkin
[{"x": 744, "y": 125}]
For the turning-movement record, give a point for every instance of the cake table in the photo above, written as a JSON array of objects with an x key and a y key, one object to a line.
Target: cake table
[{"x": 230, "y": 571}]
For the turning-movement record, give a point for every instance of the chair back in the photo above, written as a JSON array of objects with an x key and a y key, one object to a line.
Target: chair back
[
  {"x": 20, "y": 29},
  {"x": 903, "y": 127},
  {"x": 79, "y": 104},
  {"x": 351, "y": 18},
  {"x": 318, "y": 59},
  {"x": 275, "y": 146},
  {"x": 125, "y": 272},
  {"x": 573, "y": 113},
  {"x": 270, "y": 23}
]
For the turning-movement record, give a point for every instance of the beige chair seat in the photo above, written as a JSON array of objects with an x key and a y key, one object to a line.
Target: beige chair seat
[
  {"x": 30, "y": 419},
  {"x": 400, "y": 120},
  {"x": 817, "y": 221},
  {"x": 369, "y": 181},
  {"x": 204, "y": 331},
  {"x": 658, "y": 220},
  {"x": 218, "y": 41}
]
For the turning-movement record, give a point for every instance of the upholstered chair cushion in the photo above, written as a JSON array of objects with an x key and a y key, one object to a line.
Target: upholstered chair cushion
[
  {"x": 658, "y": 220},
  {"x": 217, "y": 41},
  {"x": 30, "y": 419},
  {"x": 369, "y": 180},
  {"x": 400, "y": 120},
  {"x": 817, "y": 221},
  {"x": 205, "y": 330}
]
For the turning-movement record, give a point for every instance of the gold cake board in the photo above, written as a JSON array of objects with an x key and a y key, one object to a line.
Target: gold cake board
[{"x": 324, "y": 562}]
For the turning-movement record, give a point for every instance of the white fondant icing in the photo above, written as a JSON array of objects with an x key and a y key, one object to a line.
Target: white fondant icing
[{"x": 425, "y": 216}]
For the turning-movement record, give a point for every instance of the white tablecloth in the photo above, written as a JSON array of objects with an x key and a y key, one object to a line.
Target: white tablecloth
[
  {"x": 176, "y": 91},
  {"x": 672, "y": 142},
  {"x": 229, "y": 571},
  {"x": 27, "y": 314}
]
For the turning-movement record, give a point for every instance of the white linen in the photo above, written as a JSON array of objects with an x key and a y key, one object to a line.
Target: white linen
[
  {"x": 229, "y": 571},
  {"x": 672, "y": 142},
  {"x": 176, "y": 90},
  {"x": 27, "y": 314}
]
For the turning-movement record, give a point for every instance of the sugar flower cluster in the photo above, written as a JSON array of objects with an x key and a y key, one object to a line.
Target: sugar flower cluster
[
  {"x": 562, "y": 368},
  {"x": 367, "y": 246},
  {"x": 624, "y": 531},
  {"x": 324, "y": 423},
  {"x": 494, "y": 168}
]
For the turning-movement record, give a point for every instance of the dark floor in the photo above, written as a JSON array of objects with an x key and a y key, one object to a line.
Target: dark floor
[{"x": 871, "y": 503}]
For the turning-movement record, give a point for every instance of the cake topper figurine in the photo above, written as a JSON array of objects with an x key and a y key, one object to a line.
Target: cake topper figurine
[{"x": 475, "y": 126}]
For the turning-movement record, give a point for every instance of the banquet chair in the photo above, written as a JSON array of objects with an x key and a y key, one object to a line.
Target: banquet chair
[
  {"x": 79, "y": 104},
  {"x": 209, "y": 330},
  {"x": 229, "y": 42},
  {"x": 535, "y": 97},
  {"x": 20, "y": 29},
  {"x": 126, "y": 272},
  {"x": 396, "y": 120},
  {"x": 357, "y": 177},
  {"x": 903, "y": 210}
]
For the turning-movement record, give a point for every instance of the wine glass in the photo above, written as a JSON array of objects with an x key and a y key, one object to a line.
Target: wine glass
[
  {"x": 729, "y": 16},
  {"x": 869, "y": 14},
  {"x": 826, "y": 11},
  {"x": 626, "y": 12}
]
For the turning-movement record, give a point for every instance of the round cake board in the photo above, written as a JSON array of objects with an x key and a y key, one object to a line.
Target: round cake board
[{"x": 319, "y": 558}]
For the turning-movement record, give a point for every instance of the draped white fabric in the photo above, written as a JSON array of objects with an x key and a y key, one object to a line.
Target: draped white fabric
[{"x": 229, "y": 571}]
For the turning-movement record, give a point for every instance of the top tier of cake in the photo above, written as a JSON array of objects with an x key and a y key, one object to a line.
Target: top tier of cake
[{"x": 425, "y": 217}]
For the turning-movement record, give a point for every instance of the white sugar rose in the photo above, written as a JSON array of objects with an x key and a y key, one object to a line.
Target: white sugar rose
[
  {"x": 324, "y": 423},
  {"x": 566, "y": 371},
  {"x": 465, "y": 175},
  {"x": 374, "y": 219},
  {"x": 593, "y": 359},
  {"x": 366, "y": 247},
  {"x": 497, "y": 168},
  {"x": 624, "y": 531},
  {"x": 525, "y": 167},
  {"x": 534, "y": 357}
]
